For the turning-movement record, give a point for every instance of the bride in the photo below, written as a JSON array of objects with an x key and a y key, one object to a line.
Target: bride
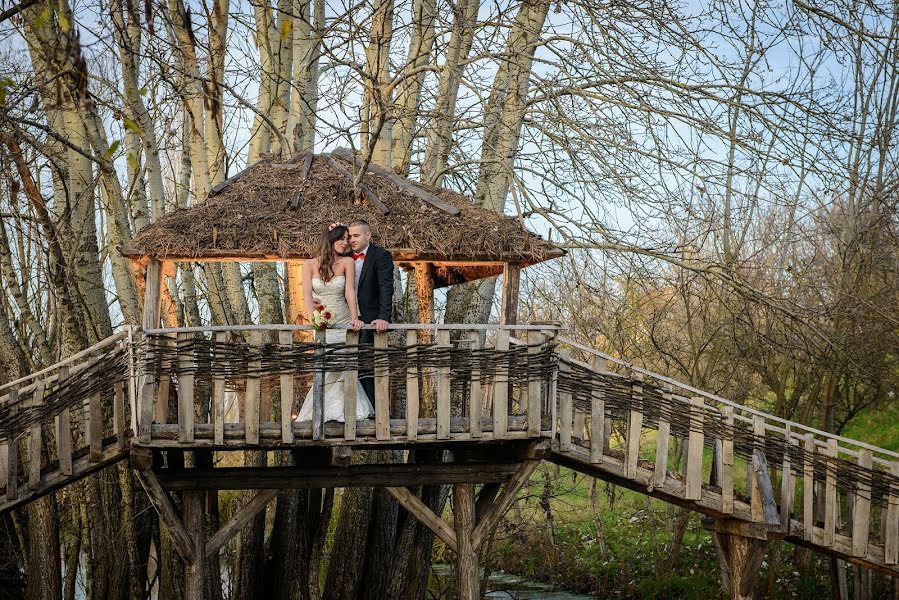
[{"x": 331, "y": 278}]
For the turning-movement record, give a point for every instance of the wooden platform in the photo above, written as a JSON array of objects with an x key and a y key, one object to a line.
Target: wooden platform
[{"x": 545, "y": 397}]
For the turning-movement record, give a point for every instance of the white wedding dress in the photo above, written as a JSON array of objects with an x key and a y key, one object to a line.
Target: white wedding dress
[{"x": 331, "y": 294}]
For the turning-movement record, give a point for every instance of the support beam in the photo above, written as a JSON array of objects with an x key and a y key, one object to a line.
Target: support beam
[
  {"x": 503, "y": 502},
  {"x": 424, "y": 515},
  {"x": 168, "y": 516},
  {"x": 238, "y": 521},
  {"x": 424, "y": 286},
  {"x": 467, "y": 569}
]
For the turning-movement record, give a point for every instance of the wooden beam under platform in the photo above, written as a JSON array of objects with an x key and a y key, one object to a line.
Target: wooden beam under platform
[{"x": 306, "y": 477}]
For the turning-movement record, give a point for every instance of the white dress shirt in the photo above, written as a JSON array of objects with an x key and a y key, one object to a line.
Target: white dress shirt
[{"x": 359, "y": 262}]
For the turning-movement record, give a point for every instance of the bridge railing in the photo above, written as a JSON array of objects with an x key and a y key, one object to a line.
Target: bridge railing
[
  {"x": 821, "y": 488},
  {"x": 244, "y": 386},
  {"x": 65, "y": 420}
]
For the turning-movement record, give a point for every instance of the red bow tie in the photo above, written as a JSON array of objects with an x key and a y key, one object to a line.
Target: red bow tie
[{"x": 358, "y": 255}]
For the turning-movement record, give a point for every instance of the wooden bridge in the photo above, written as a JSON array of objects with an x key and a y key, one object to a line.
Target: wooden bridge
[{"x": 495, "y": 400}]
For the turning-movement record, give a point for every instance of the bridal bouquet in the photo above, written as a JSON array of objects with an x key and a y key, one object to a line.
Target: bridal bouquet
[{"x": 322, "y": 317}]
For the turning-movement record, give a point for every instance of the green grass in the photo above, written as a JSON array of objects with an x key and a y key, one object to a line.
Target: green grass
[{"x": 879, "y": 426}]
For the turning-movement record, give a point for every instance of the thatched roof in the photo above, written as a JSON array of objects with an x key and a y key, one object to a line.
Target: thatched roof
[{"x": 252, "y": 217}]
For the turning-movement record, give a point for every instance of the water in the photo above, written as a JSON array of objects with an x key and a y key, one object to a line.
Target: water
[{"x": 512, "y": 587}]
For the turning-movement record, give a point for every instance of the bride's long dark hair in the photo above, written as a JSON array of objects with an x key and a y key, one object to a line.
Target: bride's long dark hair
[{"x": 326, "y": 254}]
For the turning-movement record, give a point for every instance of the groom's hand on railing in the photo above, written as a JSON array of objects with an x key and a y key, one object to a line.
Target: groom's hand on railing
[{"x": 380, "y": 325}]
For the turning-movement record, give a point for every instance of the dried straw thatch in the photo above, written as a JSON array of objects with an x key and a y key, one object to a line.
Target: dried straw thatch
[{"x": 251, "y": 218}]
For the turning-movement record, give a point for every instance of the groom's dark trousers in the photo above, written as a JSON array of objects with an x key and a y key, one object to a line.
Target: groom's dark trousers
[{"x": 375, "y": 297}]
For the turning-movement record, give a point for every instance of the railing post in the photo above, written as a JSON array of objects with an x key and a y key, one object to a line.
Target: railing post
[
  {"x": 12, "y": 450},
  {"x": 727, "y": 461},
  {"x": 501, "y": 387},
  {"x": 350, "y": 389},
  {"x": 787, "y": 482},
  {"x": 64, "y": 428},
  {"x": 830, "y": 492},
  {"x": 412, "y": 395},
  {"x": 253, "y": 393},
  {"x": 808, "y": 488},
  {"x": 318, "y": 387},
  {"x": 597, "y": 414},
  {"x": 186, "y": 388},
  {"x": 891, "y": 526},
  {"x": 382, "y": 387},
  {"x": 475, "y": 399},
  {"x": 660, "y": 471},
  {"x": 534, "y": 404},
  {"x": 443, "y": 386},
  {"x": 34, "y": 438},
  {"x": 755, "y": 495},
  {"x": 695, "y": 440},
  {"x": 565, "y": 406},
  {"x": 218, "y": 396},
  {"x": 634, "y": 427},
  {"x": 861, "y": 509}
]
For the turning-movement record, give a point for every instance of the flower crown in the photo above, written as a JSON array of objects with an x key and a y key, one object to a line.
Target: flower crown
[{"x": 335, "y": 224}]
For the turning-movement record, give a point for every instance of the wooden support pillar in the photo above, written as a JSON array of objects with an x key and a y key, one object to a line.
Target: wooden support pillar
[
  {"x": 740, "y": 547},
  {"x": 147, "y": 383},
  {"x": 195, "y": 523},
  {"x": 511, "y": 283},
  {"x": 424, "y": 285},
  {"x": 294, "y": 284},
  {"x": 467, "y": 568}
]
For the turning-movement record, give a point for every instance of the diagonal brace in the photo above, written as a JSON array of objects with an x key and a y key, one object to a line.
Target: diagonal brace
[{"x": 169, "y": 517}]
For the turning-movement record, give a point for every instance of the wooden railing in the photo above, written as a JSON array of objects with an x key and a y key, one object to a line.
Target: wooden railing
[
  {"x": 818, "y": 488},
  {"x": 66, "y": 420},
  {"x": 242, "y": 386}
]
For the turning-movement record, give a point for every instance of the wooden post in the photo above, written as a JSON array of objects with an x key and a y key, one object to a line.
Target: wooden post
[
  {"x": 727, "y": 461},
  {"x": 412, "y": 396},
  {"x": 565, "y": 406},
  {"x": 634, "y": 428},
  {"x": 598, "y": 415},
  {"x": 787, "y": 482},
  {"x": 695, "y": 439},
  {"x": 34, "y": 439},
  {"x": 294, "y": 285},
  {"x": 64, "y": 429},
  {"x": 861, "y": 508},
  {"x": 475, "y": 396},
  {"x": 118, "y": 415},
  {"x": 424, "y": 286},
  {"x": 195, "y": 524},
  {"x": 660, "y": 471},
  {"x": 186, "y": 388},
  {"x": 318, "y": 388},
  {"x": 443, "y": 389},
  {"x": 12, "y": 450},
  {"x": 752, "y": 482},
  {"x": 501, "y": 389},
  {"x": 891, "y": 525},
  {"x": 808, "y": 488},
  {"x": 152, "y": 308},
  {"x": 535, "y": 400},
  {"x": 350, "y": 390},
  {"x": 382, "y": 387},
  {"x": 740, "y": 558},
  {"x": 218, "y": 398},
  {"x": 830, "y": 492},
  {"x": 466, "y": 551},
  {"x": 253, "y": 393},
  {"x": 285, "y": 383},
  {"x": 511, "y": 283}
]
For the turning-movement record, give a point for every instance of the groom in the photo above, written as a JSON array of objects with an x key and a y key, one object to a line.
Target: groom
[{"x": 374, "y": 290}]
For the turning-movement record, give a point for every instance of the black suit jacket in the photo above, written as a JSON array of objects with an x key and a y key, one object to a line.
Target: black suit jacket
[{"x": 375, "y": 292}]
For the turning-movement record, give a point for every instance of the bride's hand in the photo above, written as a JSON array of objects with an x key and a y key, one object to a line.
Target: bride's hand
[{"x": 357, "y": 324}]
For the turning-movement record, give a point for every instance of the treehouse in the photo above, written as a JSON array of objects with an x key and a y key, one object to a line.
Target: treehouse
[{"x": 477, "y": 406}]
